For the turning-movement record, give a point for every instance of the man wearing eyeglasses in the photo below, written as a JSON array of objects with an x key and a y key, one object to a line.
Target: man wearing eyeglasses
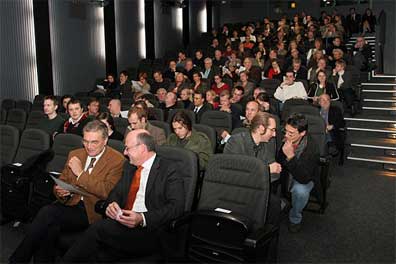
[
  {"x": 299, "y": 157},
  {"x": 149, "y": 194},
  {"x": 95, "y": 169}
]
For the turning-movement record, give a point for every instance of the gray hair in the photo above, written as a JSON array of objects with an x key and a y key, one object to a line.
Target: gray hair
[
  {"x": 147, "y": 140},
  {"x": 96, "y": 126}
]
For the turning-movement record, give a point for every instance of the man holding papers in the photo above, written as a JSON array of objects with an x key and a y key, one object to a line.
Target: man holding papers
[{"x": 94, "y": 169}]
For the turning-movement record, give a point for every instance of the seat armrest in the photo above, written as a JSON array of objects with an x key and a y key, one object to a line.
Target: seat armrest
[
  {"x": 324, "y": 160},
  {"x": 180, "y": 221},
  {"x": 100, "y": 207},
  {"x": 260, "y": 236}
]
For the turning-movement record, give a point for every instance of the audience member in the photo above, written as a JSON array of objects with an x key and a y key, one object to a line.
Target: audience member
[
  {"x": 78, "y": 119},
  {"x": 159, "y": 82},
  {"x": 290, "y": 89},
  {"x": 198, "y": 85},
  {"x": 200, "y": 106},
  {"x": 226, "y": 106},
  {"x": 108, "y": 120},
  {"x": 93, "y": 107},
  {"x": 322, "y": 87},
  {"x": 52, "y": 123},
  {"x": 344, "y": 83},
  {"x": 211, "y": 98},
  {"x": 141, "y": 85},
  {"x": 115, "y": 107},
  {"x": 218, "y": 85},
  {"x": 95, "y": 169},
  {"x": 185, "y": 98}
]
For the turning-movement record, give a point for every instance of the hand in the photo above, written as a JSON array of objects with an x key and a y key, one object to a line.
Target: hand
[
  {"x": 275, "y": 167},
  {"x": 329, "y": 127},
  {"x": 225, "y": 109},
  {"x": 113, "y": 210},
  {"x": 224, "y": 134},
  {"x": 61, "y": 192},
  {"x": 288, "y": 150},
  {"x": 315, "y": 98},
  {"x": 130, "y": 219},
  {"x": 75, "y": 165}
]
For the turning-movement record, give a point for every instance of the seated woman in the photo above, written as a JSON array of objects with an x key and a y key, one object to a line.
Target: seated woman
[
  {"x": 185, "y": 137},
  {"x": 107, "y": 119},
  {"x": 322, "y": 86},
  {"x": 198, "y": 85},
  {"x": 258, "y": 60},
  {"x": 185, "y": 98},
  {"x": 219, "y": 86},
  {"x": 275, "y": 71},
  {"x": 211, "y": 98},
  {"x": 141, "y": 85}
]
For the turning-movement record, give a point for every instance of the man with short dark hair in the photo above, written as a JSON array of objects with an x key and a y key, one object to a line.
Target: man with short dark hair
[
  {"x": 200, "y": 106},
  {"x": 93, "y": 107},
  {"x": 299, "y": 157},
  {"x": 290, "y": 89},
  {"x": 95, "y": 169},
  {"x": 138, "y": 209},
  {"x": 158, "y": 82},
  {"x": 78, "y": 119},
  {"x": 52, "y": 123}
]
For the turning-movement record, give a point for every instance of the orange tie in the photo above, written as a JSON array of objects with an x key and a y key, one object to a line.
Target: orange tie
[{"x": 133, "y": 189}]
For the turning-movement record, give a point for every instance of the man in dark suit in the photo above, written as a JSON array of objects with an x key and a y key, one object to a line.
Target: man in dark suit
[
  {"x": 353, "y": 21},
  {"x": 149, "y": 194},
  {"x": 344, "y": 82},
  {"x": 226, "y": 106},
  {"x": 209, "y": 71},
  {"x": 300, "y": 72},
  {"x": 95, "y": 169},
  {"x": 200, "y": 106}
]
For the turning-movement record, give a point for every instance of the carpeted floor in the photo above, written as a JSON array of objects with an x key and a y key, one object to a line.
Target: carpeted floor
[{"x": 357, "y": 227}]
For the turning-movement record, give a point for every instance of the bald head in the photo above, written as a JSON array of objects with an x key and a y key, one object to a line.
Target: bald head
[{"x": 139, "y": 146}]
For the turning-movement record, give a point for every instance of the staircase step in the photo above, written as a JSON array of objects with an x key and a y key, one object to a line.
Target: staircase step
[
  {"x": 373, "y": 143},
  {"x": 379, "y": 96},
  {"x": 373, "y": 119},
  {"x": 385, "y": 130},
  {"x": 386, "y": 91},
  {"x": 383, "y": 77},
  {"x": 373, "y": 158},
  {"x": 378, "y": 84},
  {"x": 378, "y": 108}
]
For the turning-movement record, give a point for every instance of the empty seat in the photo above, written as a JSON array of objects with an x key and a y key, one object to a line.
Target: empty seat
[
  {"x": 117, "y": 145},
  {"x": 24, "y": 105},
  {"x": 33, "y": 142},
  {"x": 161, "y": 124},
  {"x": 34, "y": 119},
  {"x": 17, "y": 118},
  {"x": 121, "y": 124},
  {"x": 219, "y": 120},
  {"x": 8, "y": 104},
  {"x": 63, "y": 144},
  {"x": 9, "y": 144},
  {"x": 3, "y": 116}
]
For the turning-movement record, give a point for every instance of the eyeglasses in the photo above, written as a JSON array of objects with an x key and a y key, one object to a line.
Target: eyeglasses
[
  {"x": 93, "y": 142},
  {"x": 132, "y": 147},
  {"x": 289, "y": 133}
]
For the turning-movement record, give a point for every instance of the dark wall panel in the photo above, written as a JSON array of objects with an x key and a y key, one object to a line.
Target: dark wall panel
[
  {"x": 168, "y": 24},
  {"x": 18, "y": 67},
  {"x": 77, "y": 44},
  {"x": 127, "y": 27}
]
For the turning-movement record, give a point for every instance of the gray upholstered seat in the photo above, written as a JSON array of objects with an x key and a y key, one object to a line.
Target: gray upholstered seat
[
  {"x": 33, "y": 142},
  {"x": 17, "y": 118},
  {"x": 9, "y": 144},
  {"x": 63, "y": 144}
]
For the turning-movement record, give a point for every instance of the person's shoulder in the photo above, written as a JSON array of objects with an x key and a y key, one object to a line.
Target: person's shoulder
[{"x": 77, "y": 152}]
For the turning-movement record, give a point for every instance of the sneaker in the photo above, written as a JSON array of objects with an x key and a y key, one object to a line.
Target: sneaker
[{"x": 294, "y": 228}]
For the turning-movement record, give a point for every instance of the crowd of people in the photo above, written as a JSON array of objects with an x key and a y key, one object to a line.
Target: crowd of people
[{"x": 306, "y": 56}]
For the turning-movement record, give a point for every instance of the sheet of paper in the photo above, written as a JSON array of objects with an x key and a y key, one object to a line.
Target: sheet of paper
[{"x": 69, "y": 187}]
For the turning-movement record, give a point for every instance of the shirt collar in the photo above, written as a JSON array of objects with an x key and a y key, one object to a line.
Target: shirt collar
[
  {"x": 75, "y": 122},
  {"x": 148, "y": 163}
]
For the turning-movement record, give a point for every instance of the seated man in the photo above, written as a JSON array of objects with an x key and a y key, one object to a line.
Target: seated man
[
  {"x": 78, "y": 119},
  {"x": 200, "y": 106},
  {"x": 115, "y": 107},
  {"x": 95, "y": 169},
  {"x": 299, "y": 157},
  {"x": 343, "y": 81},
  {"x": 138, "y": 119},
  {"x": 290, "y": 89},
  {"x": 159, "y": 82},
  {"x": 52, "y": 123},
  {"x": 93, "y": 107},
  {"x": 256, "y": 143},
  {"x": 161, "y": 95},
  {"x": 226, "y": 106},
  {"x": 149, "y": 194},
  {"x": 335, "y": 123},
  {"x": 170, "y": 104}
]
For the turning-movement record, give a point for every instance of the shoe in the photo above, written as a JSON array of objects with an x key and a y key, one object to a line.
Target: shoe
[{"x": 295, "y": 228}]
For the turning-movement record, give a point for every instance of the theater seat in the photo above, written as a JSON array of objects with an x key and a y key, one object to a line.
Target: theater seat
[
  {"x": 9, "y": 144},
  {"x": 34, "y": 119},
  {"x": 33, "y": 142},
  {"x": 17, "y": 118}
]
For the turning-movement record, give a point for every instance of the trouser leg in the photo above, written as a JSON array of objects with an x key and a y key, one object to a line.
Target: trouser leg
[{"x": 300, "y": 196}]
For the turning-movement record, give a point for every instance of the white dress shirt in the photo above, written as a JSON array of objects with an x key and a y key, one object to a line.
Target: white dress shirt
[{"x": 296, "y": 90}]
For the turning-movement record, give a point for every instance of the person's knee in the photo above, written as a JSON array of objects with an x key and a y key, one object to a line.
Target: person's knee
[{"x": 301, "y": 191}]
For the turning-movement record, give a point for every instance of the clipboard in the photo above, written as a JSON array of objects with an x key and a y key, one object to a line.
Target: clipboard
[{"x": 69, "y": 187}]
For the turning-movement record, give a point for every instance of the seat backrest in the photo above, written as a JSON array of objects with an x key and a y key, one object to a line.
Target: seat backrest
[
  {"x": 104, "y": 101},
  {"x": 126, "y": 104},
  {"x": 161, "y": 124},
  {"x": 237, "y": 183},
  {"x": 117, "y": 145},
  {"x": 39, "y": 99},
  {"x": 239, "y": 130},
  {"x": 217, "y": 119},
  {"x": 317, "y": 129},
  {"x": 17, "y": 118},
  {"x": 24, "y": 105},
  {"x": 33, "y": 142},
  {"x": 34, "y": 119},
  {"x": 8, "y": 104},
  {"x": 210, "y": 132},
  {"x": 3, "y": 116},
  {"x": 187, "y": 163},
  {"x": 270, "y": 85},
  {"x": 63, "y": 144},
  {"x": 305, "y": 110},
  {"x": 289, "y": 104},
  {"x": 339, "y": 105},
  {"x": 121, "y": 124},
  {"x": 9, "y": 144},
  {"x": 172, "y": 112},
  {"x": 156, "y": 114}
]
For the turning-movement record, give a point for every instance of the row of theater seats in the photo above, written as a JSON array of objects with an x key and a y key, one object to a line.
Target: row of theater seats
[{"x": 201, "y": 193}]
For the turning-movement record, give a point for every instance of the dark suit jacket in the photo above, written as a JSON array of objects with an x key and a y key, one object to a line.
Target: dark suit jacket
[
  {"x": 164, "y": 197},
  {"x": 336, "y": 119},
  {"x": 203, "y": 109},
  {"x": 347, "y": 77},
  {"x": 99, "y": 183}
]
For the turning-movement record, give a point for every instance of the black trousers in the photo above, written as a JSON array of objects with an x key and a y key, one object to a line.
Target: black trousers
[
  {"x": 108, "y": 241},
  {"x": 348, "y": 95},
  {"x": 41, "y": 237}
]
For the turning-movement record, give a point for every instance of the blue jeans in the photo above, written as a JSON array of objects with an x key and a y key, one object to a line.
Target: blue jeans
[{"x": 300, "y": 196}]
